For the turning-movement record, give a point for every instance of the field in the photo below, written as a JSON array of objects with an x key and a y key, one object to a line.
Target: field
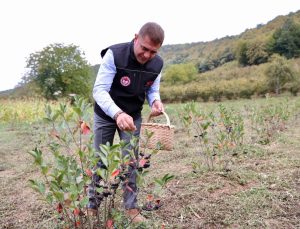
[{"x": 245, "y": 176}]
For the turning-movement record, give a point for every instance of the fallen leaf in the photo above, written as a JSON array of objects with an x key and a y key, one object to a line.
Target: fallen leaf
[{"x": 54, "y": 133}]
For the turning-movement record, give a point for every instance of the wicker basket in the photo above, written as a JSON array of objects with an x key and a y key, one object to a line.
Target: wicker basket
[{"x": 163, "y": 135}]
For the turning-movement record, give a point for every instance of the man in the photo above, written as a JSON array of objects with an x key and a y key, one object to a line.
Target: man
[{"x": 129, "y": 73}]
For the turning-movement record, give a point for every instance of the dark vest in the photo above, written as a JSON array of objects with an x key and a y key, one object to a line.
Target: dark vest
[{"x": 132, "y": 80}]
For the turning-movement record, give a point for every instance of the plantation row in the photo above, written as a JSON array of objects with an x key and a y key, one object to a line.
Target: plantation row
[
  {"x": 224, "y": 133},
  {"x": 233, "y": 82},
  {"x": 210, "y": 91}
]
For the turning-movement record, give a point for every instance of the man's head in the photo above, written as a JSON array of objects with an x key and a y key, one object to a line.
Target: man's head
[{"x": 148, "y": 41}]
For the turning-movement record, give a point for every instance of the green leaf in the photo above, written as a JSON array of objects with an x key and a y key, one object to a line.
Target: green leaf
[
  {"x": 79, "y": 179},
  {"x": 69, "y": 117},
  {"x": 59, "y": 196},
  {"x": 159, "y": 182},
  {"x": 84, "y": 202},
  {"x": 38, "y": 186},
  {"x": 139, "y": 179},
  {"x": 47, "y": 119},
  {"x": 49, "y": 198},
  {"x": 37, "y": 155},
  {"x": 167, "y": 178},
  {"x": 63, "y": 109},
  {"x": 115, "y": 147},
  {"x": 60, "y": 178},
  {"x": 102, "y": 173},
  {"x": 81, "y": 154},
  {"x": 54, "y": 185},
  {"x": 54, "y": 117},
  {"x": 144, "y": 173},
  {"x": 45, "y": 169},
  {"x": 100, "y": 190},
  {"x": 104, "y": 159},
  {"x": 77, "y": 111},
  {"x": 48, "y": 113}
]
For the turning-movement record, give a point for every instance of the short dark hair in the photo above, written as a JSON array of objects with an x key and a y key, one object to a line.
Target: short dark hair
[{"x": 154, "y": 31}]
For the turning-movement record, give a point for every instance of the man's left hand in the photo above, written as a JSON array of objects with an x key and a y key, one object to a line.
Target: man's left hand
[{"x": 157, "y": 108}]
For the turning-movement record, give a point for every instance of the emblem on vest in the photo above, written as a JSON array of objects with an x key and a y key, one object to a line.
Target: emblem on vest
[
  {"x": 149, "y": 83},
  {"x": 125, "y": 81}
]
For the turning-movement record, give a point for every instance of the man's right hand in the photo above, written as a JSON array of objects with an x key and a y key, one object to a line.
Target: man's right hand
[
  {"x": 157, "y": 108},
  {"x": 125, "y": 122}
]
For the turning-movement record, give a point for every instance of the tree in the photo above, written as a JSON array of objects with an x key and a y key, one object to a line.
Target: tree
[
  {"x": 241, "y": 53},
  {"x": 59, "y": 70},
  {"x": 257, "y": 53},
  {"x": 279, "y": 73},
  {"x": 180, "y": 73},
  {"x": 286, "y": 40},
  {"x": 251, "y": 53}
]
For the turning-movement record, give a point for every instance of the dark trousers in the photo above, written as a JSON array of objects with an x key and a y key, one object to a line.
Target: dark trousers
[{"x": 104, "y": 132}]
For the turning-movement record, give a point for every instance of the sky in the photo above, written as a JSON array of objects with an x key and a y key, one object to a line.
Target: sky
[{"x": 29, "y": 26}]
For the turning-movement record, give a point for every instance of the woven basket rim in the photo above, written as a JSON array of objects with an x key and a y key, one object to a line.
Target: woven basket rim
[
  {"x": 157, "y": 124},
  {"x": 148, "y": 123}
]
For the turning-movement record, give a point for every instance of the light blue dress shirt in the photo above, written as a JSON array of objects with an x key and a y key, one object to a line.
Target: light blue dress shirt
[{"x": 104, "y": 81}]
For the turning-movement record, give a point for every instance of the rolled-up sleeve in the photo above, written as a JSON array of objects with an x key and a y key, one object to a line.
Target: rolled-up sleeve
[{"x": 105, "y": 77}]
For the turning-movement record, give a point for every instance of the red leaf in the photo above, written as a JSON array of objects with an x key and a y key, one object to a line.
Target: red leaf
[
  {"x": 85, "y": 129},
  {"x": 89, "y": 172},
  {"x": 76, "y": 211},
  {"x": 77, "y": 223},
  {"x": 157, "y": 201},
  {"x": 142, "y": 162},
  {"x": 59, "y": 208},
  {"x": 110, "y": 223},
  {"x": 115, "y": 173},
  {"x": 150, "y": 197}
]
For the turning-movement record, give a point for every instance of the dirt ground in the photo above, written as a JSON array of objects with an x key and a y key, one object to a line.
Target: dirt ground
[
  {"x": 261, "y": 191},
  {"x": 20, "y": 207}
]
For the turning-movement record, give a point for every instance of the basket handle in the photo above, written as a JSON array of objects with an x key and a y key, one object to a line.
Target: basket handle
[{"x": 166, "y": 115}]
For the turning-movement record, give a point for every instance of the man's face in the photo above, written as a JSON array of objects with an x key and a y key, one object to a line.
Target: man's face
[{"x": 144, "y": 49}]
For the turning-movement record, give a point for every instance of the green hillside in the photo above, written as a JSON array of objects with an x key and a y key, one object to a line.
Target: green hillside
[
  {"x": 201, "y": 51},
  {"x": 232, "y": 67}
]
